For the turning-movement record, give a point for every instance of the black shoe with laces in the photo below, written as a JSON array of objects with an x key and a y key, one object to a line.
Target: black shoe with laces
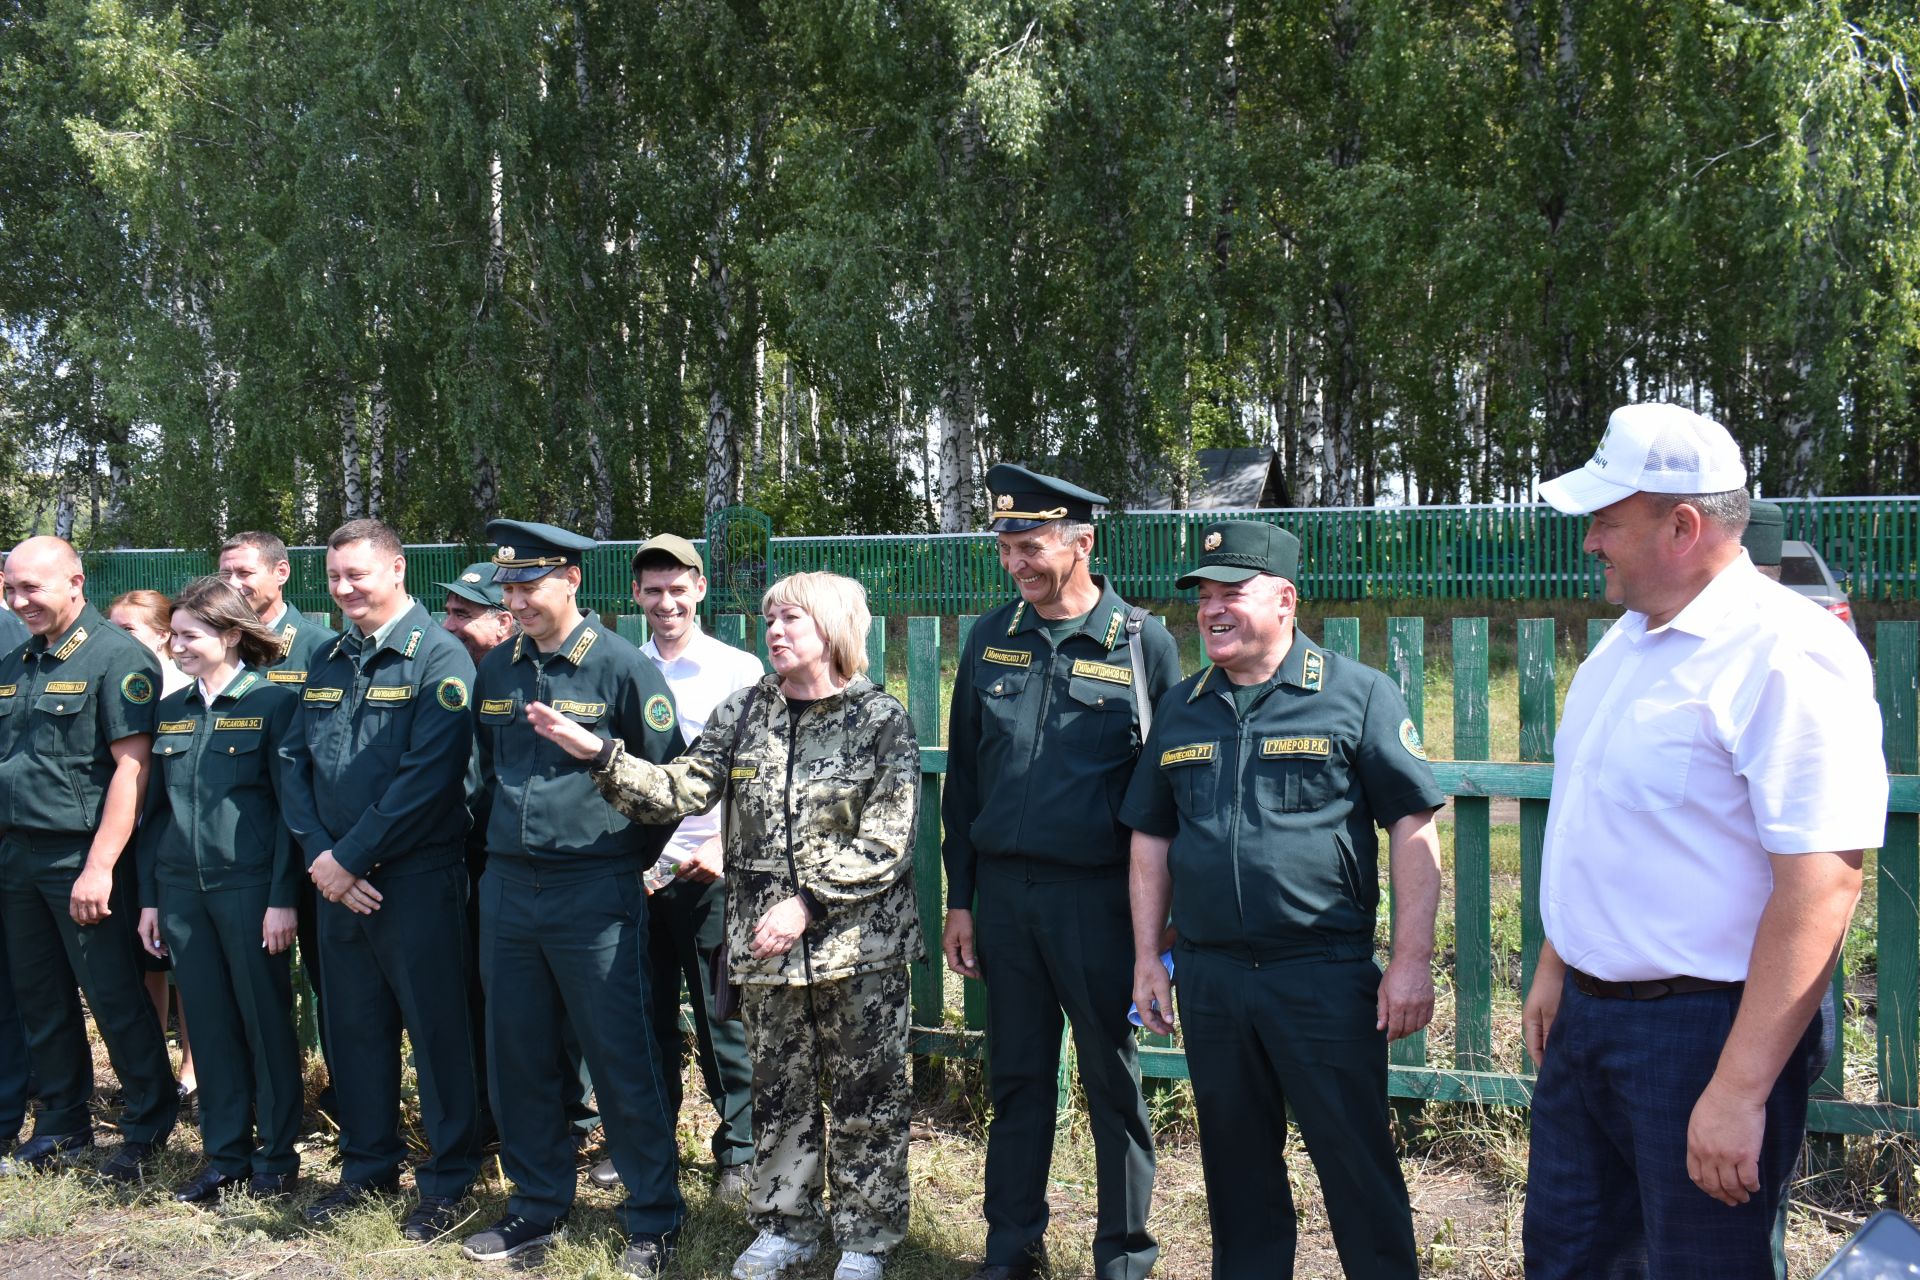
[
  {"x": 646, "y": 1257},
  {"x": 346, "y": 1197},
  {"x": 509, "y": 1237},
  {"x": 432, "y": 1218},
  {"x": 128, "y": 1161},
  {"x": 205, "y": 1187}
]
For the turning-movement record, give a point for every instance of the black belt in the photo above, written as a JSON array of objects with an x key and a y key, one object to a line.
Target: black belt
[{"x": 1646, "y": 988}]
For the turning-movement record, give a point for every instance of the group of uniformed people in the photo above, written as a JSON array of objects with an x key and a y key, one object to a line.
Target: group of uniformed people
[{"x": 1108, "y": 824}]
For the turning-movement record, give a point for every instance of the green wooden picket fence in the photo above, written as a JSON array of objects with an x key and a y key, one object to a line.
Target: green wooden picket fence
[
  {"x": 1474, "y": 1073},
  {"x": 1486, "y": 552}
]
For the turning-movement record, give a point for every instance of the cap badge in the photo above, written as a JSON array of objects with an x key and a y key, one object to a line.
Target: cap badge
[
  {"x": 469, "y": 577},
  {"x": 1213, "y": 541},
  {"x": 1004, "y": 502},
  {"x": 507, "y": 553}
]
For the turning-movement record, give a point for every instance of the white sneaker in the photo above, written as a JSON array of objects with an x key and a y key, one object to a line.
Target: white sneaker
[
  {"x": 770, "y": 1254},
  {"x": 858, "y": 1266}
]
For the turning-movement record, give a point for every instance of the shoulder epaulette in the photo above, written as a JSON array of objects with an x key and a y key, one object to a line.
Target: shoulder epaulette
[
  {"x": 1311, "y": 671},
  {"x": 517, "y": 640},
  {"x": 1019, "y": 611},
  {"x": 1113, "y": 627},
  {"x": 286, "y": 639},
  {"x": 580, "y": 646},
  {"x": 413, "y": 643},
  {"x": 247, "y": 681},
  {"x": 72, "y": 645},
  {"x": 1201, "y": 683}
]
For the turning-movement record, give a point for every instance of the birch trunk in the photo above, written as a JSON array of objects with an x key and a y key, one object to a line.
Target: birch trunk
[{"x": 353, "y": 488}]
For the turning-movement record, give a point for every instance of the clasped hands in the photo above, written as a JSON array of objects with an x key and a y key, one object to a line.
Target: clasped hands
[{"x": 337, "y": 884}]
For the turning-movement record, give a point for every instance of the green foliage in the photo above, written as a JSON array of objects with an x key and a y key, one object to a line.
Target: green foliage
[{"x": 284, "y": 262}]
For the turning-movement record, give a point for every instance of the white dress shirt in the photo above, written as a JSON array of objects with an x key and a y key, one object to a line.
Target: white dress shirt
[
  {"x": 1689, "y": 753},
  {"x": 706, "y": 671}
]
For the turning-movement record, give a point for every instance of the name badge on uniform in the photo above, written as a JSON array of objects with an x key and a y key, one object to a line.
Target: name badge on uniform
[
  {"x": 174, "y": 726},
  {"x": 239, "y": 722},
  {"x": 328, "y": 696},
  {"x": 65, "y": 686},
  {"x": 566, "y": 706},
  {"x": 390, "y": 693},
  {"x": 496, "y": 706},
  {"x": 743, "y": 772},
  {"x": 1270, "y": 748},
  {"x": 287, "y": 677},
  {"x": 1192, "y": 753},
  {"x": 1008, "y": 657},
  {"x": 9, "y": 690},
  {"x": 1102, "y": 671}
]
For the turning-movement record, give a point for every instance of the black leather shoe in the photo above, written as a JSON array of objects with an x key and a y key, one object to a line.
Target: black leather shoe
[
  {"x": 346, "y": 1197},
  {"x": 128, "y": 1161},
  {"x": 1029, "y": 1266},
  {"x": 272, "y": 1186},
  {"x": 646, "y": 1257},
  {"x": 204, "y": 1187},
  {"x": 45, "y": 1151},
  {"x": 432, "y": 1218},
  {"x": 604, "y": 1174},
  {"x": 511, "y": 1236}
]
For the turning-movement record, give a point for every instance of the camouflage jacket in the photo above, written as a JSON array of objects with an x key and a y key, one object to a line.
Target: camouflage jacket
[{"x": 828, "y": 798}]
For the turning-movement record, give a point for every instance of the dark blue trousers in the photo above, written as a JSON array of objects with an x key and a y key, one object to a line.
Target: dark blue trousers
[
  {"x": 16, "y": 1071},
  {"x": 1607, "y": 1188}
]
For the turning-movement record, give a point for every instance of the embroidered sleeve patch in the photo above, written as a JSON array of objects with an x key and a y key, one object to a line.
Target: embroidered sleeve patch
[
  {"x": 80, "y": 686},
  {"x": 451, "y": 693},
  {"x": 1008, "y": 657},
  {"x": 1410, "y": 739},
  {"x": 328, "y": 696},
  {"x": 239, "y": 722},
  {"x": 1192, "y": 753},
  {"x": 391, "y": 693},
  {"x": 1102, "y": 671},
  {"x": 591, "y": 710},
  {"x": 659, "y": 713},
  {"x": 496, "y": 706},
  {"x": 1319, "y": 747},
  {"x": 135, "y": 688}
]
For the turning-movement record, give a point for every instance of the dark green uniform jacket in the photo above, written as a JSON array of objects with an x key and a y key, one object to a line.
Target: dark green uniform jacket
[
  {"x": 1014, "y": 696},
  {"x": 548, "y": 823},
  {"x": 381, "y": 750},
  {"x": 1272, "y": 816},
  {"x": 303, "y": 641},
  {"x": 213, "y": 811},
  {"x": 63, "y": 699}
]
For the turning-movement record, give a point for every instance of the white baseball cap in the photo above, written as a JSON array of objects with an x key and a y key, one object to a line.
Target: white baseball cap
[{"x": 1650, "y": 448}]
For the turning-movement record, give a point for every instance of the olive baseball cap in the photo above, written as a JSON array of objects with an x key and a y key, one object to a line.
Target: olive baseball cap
[
  {"x": 673, "y": 546},
  {"x": 1235, "y": 550}
]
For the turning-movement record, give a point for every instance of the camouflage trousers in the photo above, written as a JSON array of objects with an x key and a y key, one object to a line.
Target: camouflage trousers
[{"x": 844, "y": 1043}]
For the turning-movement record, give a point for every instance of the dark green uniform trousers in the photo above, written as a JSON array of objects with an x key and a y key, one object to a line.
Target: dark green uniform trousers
[
  {"x": 575, "y": 951},
  {"x": 1261, "y": 1036},
  {"x": 16, "y": 1069},
  {"x": 1045, "y": 946},
  {"x": 243, "y": 1043},
  {"x": 686, "y": 924},
  {"x": 307, "y": 939},
  {"x": 403, "y": 966},
  {"x": 49, "y": 954}
]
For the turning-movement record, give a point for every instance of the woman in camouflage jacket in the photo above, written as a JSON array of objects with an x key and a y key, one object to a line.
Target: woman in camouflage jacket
[{"x": 822, "y": 921}]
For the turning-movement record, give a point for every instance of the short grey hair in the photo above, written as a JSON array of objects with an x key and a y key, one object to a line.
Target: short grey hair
[
  {"x": 1071, "y": 529},
  {"x": 1728, "y": 510}
]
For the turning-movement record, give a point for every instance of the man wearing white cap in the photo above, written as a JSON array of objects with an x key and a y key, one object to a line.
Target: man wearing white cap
[{"x": 1717, "y": 774}]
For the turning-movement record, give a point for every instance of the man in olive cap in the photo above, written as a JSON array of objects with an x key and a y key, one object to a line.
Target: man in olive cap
[
  {"x": 1253, "y": 810},
  {"x": 563, "y": 910},
  {"x": 476, "y": 612},
  {"x": 1766, "y": 528},
  {"x": 1049, "y": 707}
]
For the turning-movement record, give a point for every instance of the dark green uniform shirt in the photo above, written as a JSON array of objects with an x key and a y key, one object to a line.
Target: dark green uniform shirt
[
  {"x": 63, "y": 701},
  {"x": 1272, "y": 814},
  {"x": 213, "y": 810},
  {"x": 548, "y": 823},
  {"x": 381, "y": 749},
  {"x": 13, "y": 632},
  {"x": 302, "y": 640},
  {"x": 1041, "y": 740}
]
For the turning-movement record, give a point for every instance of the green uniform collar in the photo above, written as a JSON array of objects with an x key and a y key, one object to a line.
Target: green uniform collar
[
  {"x": 573, "y": 650},
  {"x": 1105, "y": 624},
  {"x": 86, "y": 625},
  {"x": 236, "y": 689},
  {"x": 1304, "y": 667},
  {"x": 389, "y": 635}
]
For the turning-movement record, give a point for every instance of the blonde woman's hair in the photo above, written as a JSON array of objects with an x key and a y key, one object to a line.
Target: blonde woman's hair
[{"x": 838, "y": 606}]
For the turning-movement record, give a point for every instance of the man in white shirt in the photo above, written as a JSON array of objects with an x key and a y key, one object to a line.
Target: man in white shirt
[
  {"x": 686, "y": 892},
  {"x": 1717, "y": 775}
]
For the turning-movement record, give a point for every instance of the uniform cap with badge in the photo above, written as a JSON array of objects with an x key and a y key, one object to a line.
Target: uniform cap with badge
[
  {"x": 1235, "y": 550},
  {"x": 476, "y": 584},
  {"x": 528, "y": 551},
  {"x": 1024, "y": 499}
]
